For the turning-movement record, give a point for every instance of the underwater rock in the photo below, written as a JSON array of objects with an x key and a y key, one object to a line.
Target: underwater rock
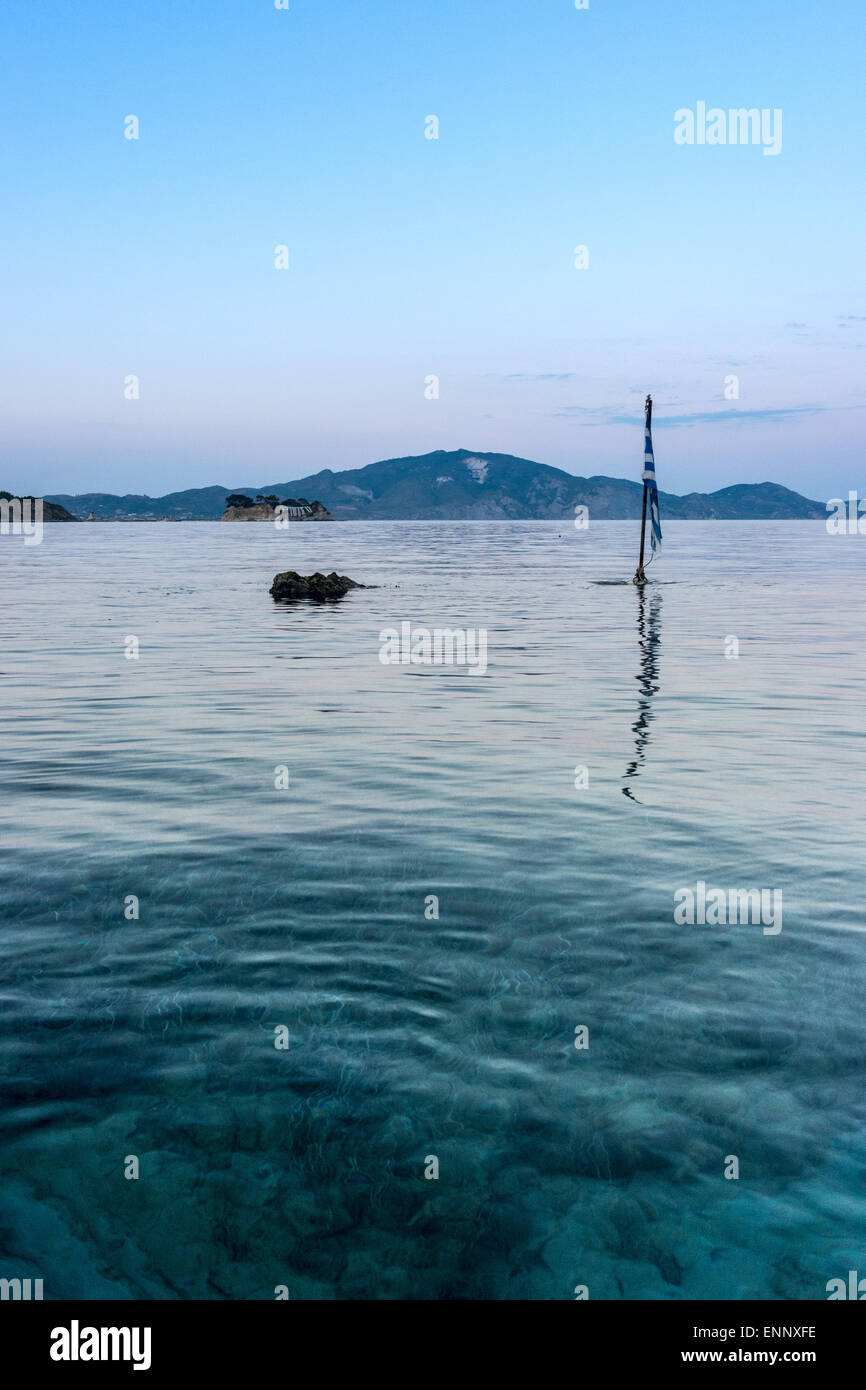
[{"x": 289, "y": 586}]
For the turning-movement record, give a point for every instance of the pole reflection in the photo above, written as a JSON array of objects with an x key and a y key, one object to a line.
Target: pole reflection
[{"x": 649, "y": 637}]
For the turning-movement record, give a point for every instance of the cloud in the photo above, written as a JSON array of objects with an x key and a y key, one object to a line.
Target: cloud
[
  {"x": 594, "y": 414},
  {"x": 712, "y": 417},
  {"x": 536, "y": 376},
  {"x": 698, "y": 417}
]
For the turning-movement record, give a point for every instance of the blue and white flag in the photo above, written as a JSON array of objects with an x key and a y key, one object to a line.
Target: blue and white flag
[{"x": 649, "y": 477}]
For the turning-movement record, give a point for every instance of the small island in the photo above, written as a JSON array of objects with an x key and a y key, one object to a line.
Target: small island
[{"x": 239, "y": 507}]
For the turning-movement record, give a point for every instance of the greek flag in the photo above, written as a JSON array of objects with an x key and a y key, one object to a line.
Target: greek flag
[{"x": 649, "y": 478}]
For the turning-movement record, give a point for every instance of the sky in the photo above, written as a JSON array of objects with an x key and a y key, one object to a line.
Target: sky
[{"x": 412, "y": 258}]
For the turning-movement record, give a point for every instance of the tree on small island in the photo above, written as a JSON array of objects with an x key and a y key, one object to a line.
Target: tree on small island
[{"x": 238, "y": 499}]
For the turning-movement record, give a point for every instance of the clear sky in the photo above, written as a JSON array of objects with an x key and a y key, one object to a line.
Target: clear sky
[{"x": 411, "y": 257}]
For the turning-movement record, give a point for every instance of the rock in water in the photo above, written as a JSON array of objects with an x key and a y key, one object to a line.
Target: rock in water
[
  {"x": 318, "y": 588},
  {"x": 239, "y": 507},
  {"x": 262, "y": 511}
]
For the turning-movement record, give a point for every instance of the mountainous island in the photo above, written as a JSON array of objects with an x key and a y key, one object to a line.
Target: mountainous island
[{"x": 460, "y": 484}]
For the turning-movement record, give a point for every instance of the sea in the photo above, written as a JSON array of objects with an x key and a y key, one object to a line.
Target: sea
[{"x": 326, "y": 977}]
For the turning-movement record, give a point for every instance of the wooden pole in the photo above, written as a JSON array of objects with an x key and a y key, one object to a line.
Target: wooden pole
[{"x": 640, "y": 578}]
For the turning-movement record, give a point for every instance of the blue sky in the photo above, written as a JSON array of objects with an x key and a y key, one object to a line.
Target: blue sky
[{"x": 412, "y": 257}]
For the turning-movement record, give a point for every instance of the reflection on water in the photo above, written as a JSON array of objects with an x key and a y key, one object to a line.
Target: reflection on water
[
  {"x": 649, "y": 635},
  {"x": 412, "y": 1034}
]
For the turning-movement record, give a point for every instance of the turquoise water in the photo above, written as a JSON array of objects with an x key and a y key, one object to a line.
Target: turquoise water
[{"x": 411, "y": 1035}]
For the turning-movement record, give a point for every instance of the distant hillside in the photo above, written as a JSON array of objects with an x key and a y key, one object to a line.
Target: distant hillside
[
  {"x": 196, "y": 504},
  {"x": 462, "y": 485},
  {"x": 51, "y": 511}
]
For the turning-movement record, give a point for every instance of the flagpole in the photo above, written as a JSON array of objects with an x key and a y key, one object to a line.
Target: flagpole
[{"x": 640, "y": 577}]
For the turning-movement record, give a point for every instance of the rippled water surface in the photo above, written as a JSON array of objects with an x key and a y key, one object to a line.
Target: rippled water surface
[{"x": 413, "y": 1036}]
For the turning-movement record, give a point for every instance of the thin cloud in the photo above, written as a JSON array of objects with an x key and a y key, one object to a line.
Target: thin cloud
[
  {"x": 712, "y": 417},
  {"x": 698, "y": 417},
  {"x": 537, "y": 376}
]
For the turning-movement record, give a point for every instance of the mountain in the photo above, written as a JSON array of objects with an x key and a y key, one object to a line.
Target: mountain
[
  {"x": 195, "y": 504},
  {"x": 51, "y": 511},
  {"x": 462, "y": 485}
]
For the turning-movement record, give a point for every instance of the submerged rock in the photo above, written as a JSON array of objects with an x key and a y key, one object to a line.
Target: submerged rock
[{"x": 319, "y": 588}]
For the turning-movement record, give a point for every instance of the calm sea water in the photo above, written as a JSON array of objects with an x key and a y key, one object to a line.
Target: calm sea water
[{"x": 413, "y": 1036}]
